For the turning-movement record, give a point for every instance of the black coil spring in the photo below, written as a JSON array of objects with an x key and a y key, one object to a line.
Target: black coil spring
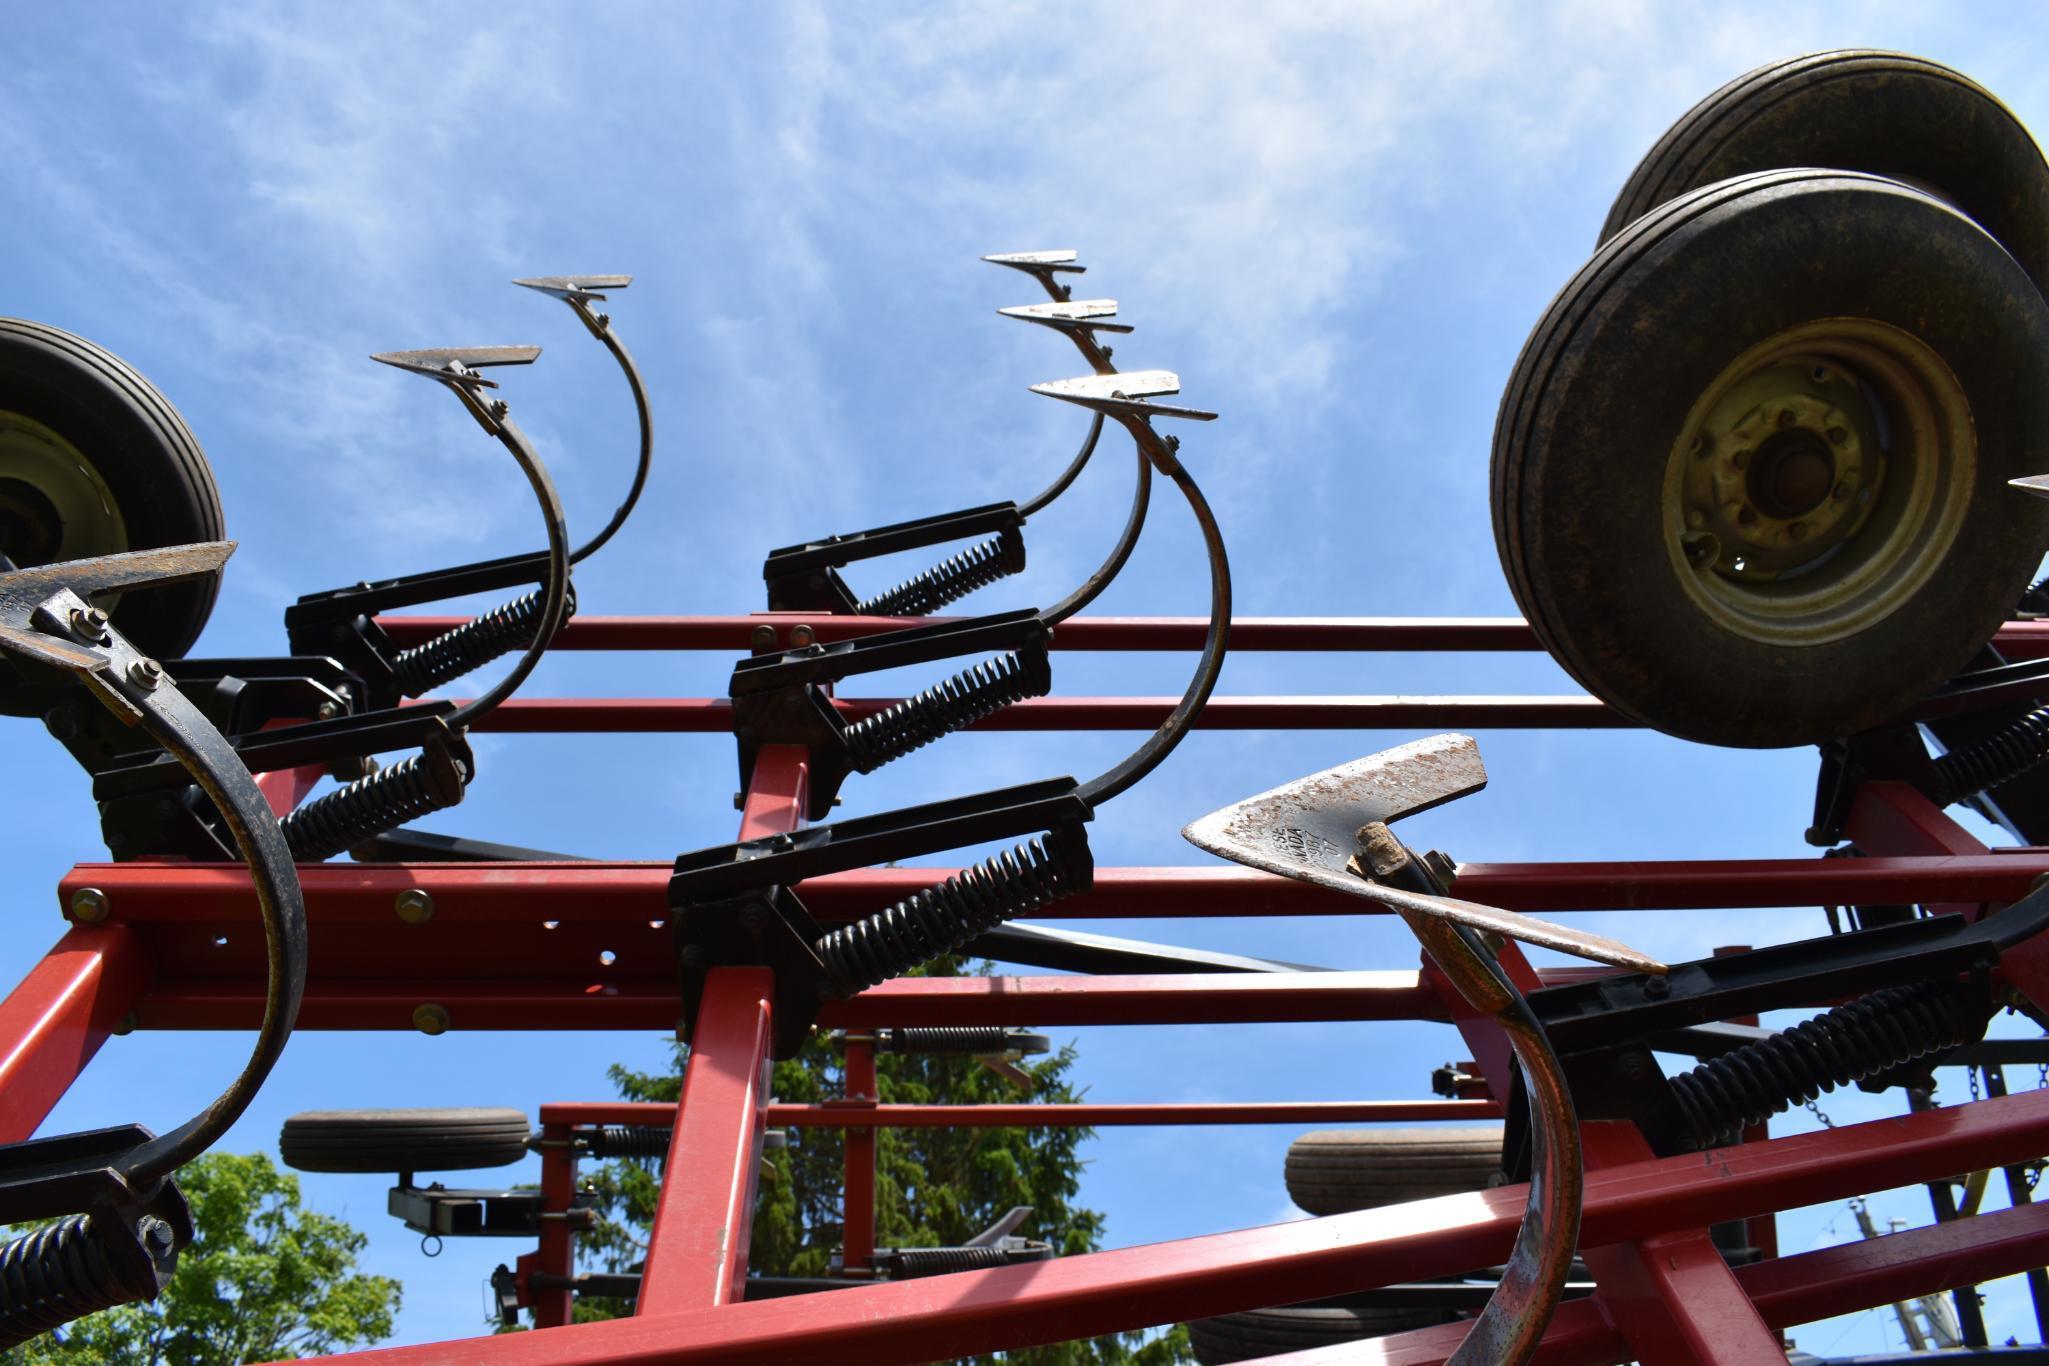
[
  {"x": 946, "y": 707},
  {"x": 952, "y": 579},
  {"x": 475, "y": 643},
  {"x": 2000, "y": 757},
  {"x": 387, "y": 799},
  {"x": 1858, "y": 1039},
  {"x": 630, "y": 1140},
  {"x": 912, "y": 1262},
  {"x": 941, "y": 918},
  {"x": 949, "y": 1039},
  {"x": 60, "y": 1272}
]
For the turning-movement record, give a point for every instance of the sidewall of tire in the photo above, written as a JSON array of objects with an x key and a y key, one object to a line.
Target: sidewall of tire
[
  {"x": 142, "y": 450},
  {"x": 1601, "y": 390}
]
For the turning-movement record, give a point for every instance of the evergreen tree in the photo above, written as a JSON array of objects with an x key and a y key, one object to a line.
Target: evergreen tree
[{"x": 934, "y": 1187}]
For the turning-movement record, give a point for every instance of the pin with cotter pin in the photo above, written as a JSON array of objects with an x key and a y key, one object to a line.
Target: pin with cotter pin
[{"x": 1332, "y": 829}]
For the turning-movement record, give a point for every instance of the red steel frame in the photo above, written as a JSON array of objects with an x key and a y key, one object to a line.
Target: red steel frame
[{"x": 176, "y": 951}]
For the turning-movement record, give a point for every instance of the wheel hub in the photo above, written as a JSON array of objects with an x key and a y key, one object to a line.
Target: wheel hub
[
  {"x": 1818, "y": 480},
  {"x": 53, "y": 504},
  {"x": 30, "y": 529}
]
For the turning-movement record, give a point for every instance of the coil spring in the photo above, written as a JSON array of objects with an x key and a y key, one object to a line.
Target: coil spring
[
  {"x": 1998, "y": 758},
  {"x": 367, "y": 807},
  {"x": 912, "y": 1262},
  {"x": 952, "y": 579},
  {"x": 941, "y": 918},
  {"x": 474, "y": 644},
  {"x": 64, "y": 1271},
  {"x": 1858, "y": 1039},
  {"x": 946, "y": 707},
  {"x": 949, "y": 1039},
  {"x": 630, "y": 1140}
]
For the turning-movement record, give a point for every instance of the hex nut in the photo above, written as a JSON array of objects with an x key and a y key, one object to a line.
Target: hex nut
[
  {"x": 430, "y": 1019},
  {"x": 89, "y": 905}
]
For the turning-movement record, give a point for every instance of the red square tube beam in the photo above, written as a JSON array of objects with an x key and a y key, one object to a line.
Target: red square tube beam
[
  {"x": 844, "y": 1115},
  {"x": 53, "y": 1023},
  {"x": 1787, "y": 1291},
  {"x": 697, "y": 1249},
  {"x": 2016, "y": 640},
  {"x": 472, "y": 893},
  {"x": 1104, "y": 1292},
  {"x": 857, "y": 1209},
  {"x": 714, "y": 715}
]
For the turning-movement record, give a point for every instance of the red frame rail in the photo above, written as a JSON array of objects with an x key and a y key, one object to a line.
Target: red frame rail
[{"x": 518, "y": 946}]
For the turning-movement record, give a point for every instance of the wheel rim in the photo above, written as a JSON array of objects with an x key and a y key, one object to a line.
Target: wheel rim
[
  {"x": 1818, "y": 481},
  {"x": 53, "y": 505}
]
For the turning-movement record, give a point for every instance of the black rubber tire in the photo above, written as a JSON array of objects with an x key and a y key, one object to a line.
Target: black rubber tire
[
  {"x": 141, "y": 450},
  {"x": 1336, "y": 1171},
  {"x": 1887, "y": 113},
  {"x": 1259, "y": 1333},
  {"x": 403, "y": 1140},
  {"x": 1595, "y": 404}
]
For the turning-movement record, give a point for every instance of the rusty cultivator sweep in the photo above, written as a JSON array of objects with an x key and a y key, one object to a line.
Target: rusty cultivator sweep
[{"x": 1800, "y": 527}]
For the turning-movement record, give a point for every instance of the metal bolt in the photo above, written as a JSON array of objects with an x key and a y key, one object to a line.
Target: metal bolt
[
  {"x": 762, "y": 638},
  {"x": 327, "y": 711},
  {"x": 430, "y": 1019},
  {"x": 1787, "y": 417},
  {"x": 1657, "y": 986},
  {"x": 414, "y": 906},
  {"x": 146, "y": 674},
  {"x": 89, "y": 905},
  {"x": 800, "y": 636},
  {"x": 89, "y": 622},
  {"x": 1838, "y": 435},
  {"x": 499, "y": 407},
  {"x": 156, "y": 1235},
  {"x": 62, "y": 723}
]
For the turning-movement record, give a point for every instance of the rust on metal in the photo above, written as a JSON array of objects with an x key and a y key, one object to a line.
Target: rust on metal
[{"x": 1309, "y": 830}]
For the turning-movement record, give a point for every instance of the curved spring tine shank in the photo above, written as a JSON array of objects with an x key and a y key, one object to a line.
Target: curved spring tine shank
[
  {"x": 454, "y": 368},
  {"x": 44, "y": 616},
  {"x": 1080, "y": 320},
  {"x": 1122, "y": 397},
  {"x": 1510, "y": 1327},
  {"x": 579, "y": 292}
]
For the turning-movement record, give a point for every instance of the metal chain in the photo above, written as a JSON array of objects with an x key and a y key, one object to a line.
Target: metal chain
[
  {"x": 1971, "y": 1073},
  {"x": 1813, "y": 1108}
]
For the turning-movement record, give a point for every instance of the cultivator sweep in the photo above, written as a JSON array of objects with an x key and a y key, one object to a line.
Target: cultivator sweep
[{"x": 1795, "y": 529}]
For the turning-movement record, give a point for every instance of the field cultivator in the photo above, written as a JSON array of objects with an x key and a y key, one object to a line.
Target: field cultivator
[{"x": 1799, "y": 528}]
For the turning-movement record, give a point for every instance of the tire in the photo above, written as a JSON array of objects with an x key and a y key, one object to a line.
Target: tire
[
  {"x": 1886, "y": 113},
  {"x": 403, "y": 1140},
  {"x": 1912, "y": 357},
  {"x": 94, "y": 460},
  {"x": 1259, "y": 1333},
  {"x": 1337, "y": 1171}
]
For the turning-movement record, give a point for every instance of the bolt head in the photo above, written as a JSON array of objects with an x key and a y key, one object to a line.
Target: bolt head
[
  {"x": 762, "y": 637},
  {"x": 800, "y": 636},
  {"x": 327, "y": 711},
  {"x": 414, "y": 906},
  {"x": 430, "y": 1018},
  {"x": 146, "y": 674},
  {"x": 89, "y": 905}
]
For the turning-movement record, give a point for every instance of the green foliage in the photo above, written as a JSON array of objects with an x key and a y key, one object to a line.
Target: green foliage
[
  {"x": 264, "y": 1278},
  {"x": 934, "y": 1187}
]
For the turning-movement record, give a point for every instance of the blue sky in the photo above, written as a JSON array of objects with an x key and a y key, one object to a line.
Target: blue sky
[{"x": 1337, "y": 222}]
